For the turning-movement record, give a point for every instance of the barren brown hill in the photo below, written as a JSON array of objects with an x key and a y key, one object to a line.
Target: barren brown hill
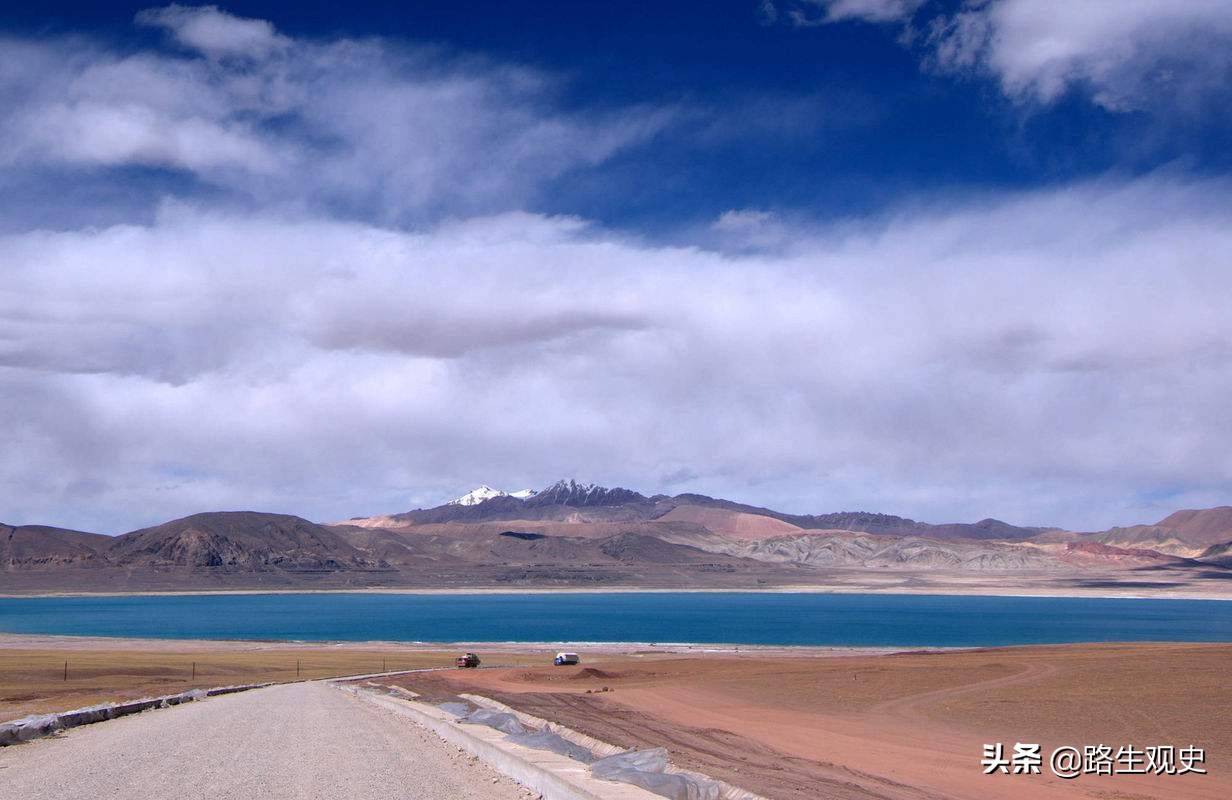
[
  {"x": 1185, "y": 533},
  {"x": 736, "y": 524},
  {"x": 1201, "y": 526},
  {"x": 868, "y": 522},
  {"x": 240, "y": 540},
  {"x": 43, "y": 547}
]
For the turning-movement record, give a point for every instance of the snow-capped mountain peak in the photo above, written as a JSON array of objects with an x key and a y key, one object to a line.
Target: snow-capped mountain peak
[
  {"x": 564, "y": 492},
  {"x": 476, "y": 496},
  {"x": 571, "y": 493}
]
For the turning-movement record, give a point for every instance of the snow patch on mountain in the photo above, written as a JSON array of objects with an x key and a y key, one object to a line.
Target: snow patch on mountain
[
  {"x": 476, "y": 496},
  {"x": 566, "y": 492},
  {"x": 571, "y": 493}
]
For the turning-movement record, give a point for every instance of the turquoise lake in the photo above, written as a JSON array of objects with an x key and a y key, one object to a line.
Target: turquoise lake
[{"x": 735, "y": 618}]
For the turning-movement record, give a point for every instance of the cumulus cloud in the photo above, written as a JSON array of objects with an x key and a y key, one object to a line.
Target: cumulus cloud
[{"x": 1127, "y": 54}]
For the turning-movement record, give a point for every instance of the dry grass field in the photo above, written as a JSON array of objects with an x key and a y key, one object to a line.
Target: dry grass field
[{"x": 34, "y": 679}]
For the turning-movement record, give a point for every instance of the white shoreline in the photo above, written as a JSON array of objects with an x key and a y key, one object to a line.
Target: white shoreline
[
  {"x": 95, "y": 641},
  {"x": 941, "y": 591}
]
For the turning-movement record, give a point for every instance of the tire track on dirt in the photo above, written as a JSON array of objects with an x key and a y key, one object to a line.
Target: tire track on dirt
[{"x": 913, "y": 706}]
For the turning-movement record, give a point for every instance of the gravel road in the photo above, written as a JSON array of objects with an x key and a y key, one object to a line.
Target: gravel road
[{"x": 306, "y": 740}]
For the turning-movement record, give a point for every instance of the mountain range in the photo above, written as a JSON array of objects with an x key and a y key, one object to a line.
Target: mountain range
[{"x": 582, "y": 535}]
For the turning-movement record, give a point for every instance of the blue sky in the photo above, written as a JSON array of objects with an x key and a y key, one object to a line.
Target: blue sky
[
  {"x": 828, "y": 120},
  {"x": 942, "y": 259}
]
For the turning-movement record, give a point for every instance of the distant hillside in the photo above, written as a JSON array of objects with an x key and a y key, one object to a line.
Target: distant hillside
[
  {"x": 239, "y": 540},
  {"x": 1201, "y": 526},
  {"x": 879, "y": 524},
  {"x": 1219, "y": 554},
  {"x": 43, "y": 547},
  {"x": 568, "y": 501},
  {"x": 572, "y": 534},
  {"x": 1186, "y": 533}
]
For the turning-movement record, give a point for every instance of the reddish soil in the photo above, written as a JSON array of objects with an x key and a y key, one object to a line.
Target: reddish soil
[{"x": 893, "y": 726}]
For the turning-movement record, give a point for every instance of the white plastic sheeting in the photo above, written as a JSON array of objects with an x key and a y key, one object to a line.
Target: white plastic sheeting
[
  {"x": 500, "y": 720},
  {"x": 646, "y": 768},
  {"x": 548, "y": 739}
]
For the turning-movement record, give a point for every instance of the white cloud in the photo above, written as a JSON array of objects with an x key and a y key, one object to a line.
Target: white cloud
[
  {"x": 215, "y": 32},
  {"x": 371, "y": 127},
  {"x": 1126, "y": 52},
  {"x": 1048, "y": 358},
  {"x": 808, "y": 13},
  {"x": 872, "y": 10},
  {"x": 110, "y": 135},
  {"x": 742, "y": 219}
]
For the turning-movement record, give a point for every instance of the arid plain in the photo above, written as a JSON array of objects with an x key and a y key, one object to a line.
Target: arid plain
[
  {"x": 895, "y": 725},
  {"x": 787, "y": 723}
]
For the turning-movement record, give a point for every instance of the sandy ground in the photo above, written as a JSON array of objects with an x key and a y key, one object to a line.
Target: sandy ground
[
  {"x": 307, "y": 740},
  {"x": 909, "y": 725}
]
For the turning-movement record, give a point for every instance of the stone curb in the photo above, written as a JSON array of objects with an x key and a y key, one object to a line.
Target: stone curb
[{"x": 39, "y": 725}]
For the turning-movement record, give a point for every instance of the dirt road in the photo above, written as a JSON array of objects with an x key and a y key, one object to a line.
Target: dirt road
[{"x": 291, "y": 742}]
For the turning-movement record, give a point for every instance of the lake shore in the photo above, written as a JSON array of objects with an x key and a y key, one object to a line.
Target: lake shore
[
  {"x": 1178, "y": 592},
  {"x": 9, "y": 641}
]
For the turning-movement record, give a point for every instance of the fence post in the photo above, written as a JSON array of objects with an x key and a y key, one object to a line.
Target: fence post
[{"x": 66, "y": 670}]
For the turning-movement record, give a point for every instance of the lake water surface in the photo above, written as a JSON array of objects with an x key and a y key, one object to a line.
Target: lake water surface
[{"x": 735, "y": 618}]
